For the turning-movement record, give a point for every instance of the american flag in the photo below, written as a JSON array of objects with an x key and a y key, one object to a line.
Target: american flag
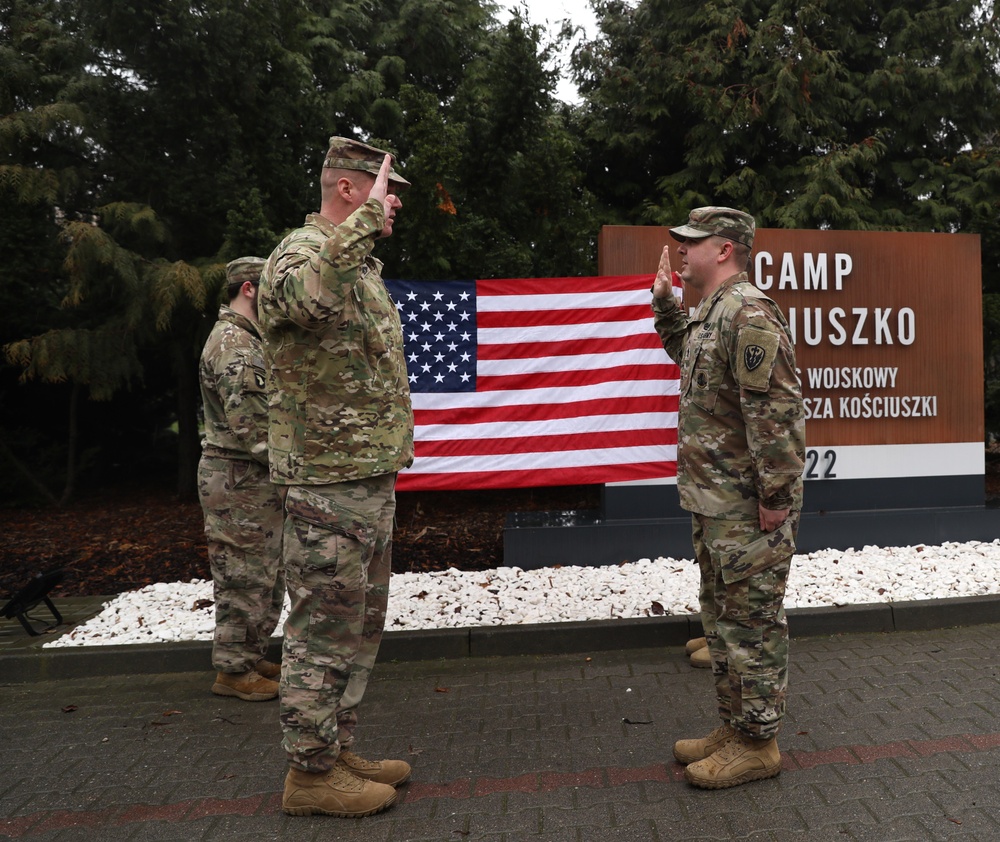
[{"x": 534, "y": 382}]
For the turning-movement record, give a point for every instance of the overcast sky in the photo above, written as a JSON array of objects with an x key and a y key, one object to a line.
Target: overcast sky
[{"x": 551, "y": 13}]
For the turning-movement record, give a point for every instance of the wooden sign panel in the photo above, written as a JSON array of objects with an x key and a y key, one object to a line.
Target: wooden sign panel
[{"x": 888, "y": 340}]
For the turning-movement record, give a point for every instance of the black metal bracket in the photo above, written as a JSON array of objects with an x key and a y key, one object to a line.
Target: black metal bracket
[{"x": 28, "y": 598}]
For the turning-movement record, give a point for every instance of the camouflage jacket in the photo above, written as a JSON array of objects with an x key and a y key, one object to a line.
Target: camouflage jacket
[
  {"x": 741, "y": 424},
  {"x": 339, "y": 395},
  {"x": 231, "y": 373}
]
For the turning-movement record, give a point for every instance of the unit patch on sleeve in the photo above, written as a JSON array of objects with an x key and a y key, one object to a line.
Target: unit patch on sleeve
[{"x": 756, "y": 352}]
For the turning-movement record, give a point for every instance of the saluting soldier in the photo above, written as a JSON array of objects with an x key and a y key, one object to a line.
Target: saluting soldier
[
  {"x": 341, "y": 427},
  {"x": 740, "y": 455}
]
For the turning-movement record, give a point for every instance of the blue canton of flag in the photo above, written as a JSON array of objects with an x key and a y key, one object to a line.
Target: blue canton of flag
[{"x": 439, "y": 333}]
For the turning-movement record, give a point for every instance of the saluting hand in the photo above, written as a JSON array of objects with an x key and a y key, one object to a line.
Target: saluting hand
[
  {"x": 663, "y": 284},
  {"x": 380, "y": 192},
  {"x": 381, "y": 187}
]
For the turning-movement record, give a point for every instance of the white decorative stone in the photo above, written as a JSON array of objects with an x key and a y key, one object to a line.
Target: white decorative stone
[{"x": 508, "y": 595}]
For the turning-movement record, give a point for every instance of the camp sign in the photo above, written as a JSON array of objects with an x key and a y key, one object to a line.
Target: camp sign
[{"x": 888, "y": 339}]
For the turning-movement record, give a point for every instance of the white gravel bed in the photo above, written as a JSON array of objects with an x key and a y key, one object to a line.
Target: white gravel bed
[{"x": 508, "y": 595}]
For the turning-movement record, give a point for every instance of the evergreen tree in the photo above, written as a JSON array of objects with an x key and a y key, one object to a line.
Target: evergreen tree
[
  {"x": 153, "y": 142},
  {"x": 114, "y": 290},
  {"x": 498, "y": 187},
  {"x": 814, "y": 114}
]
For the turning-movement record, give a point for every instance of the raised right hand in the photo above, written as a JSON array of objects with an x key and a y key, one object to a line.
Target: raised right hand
[
  {"x": 663, "y": 284},
  {"x": 381, "y": 187}
]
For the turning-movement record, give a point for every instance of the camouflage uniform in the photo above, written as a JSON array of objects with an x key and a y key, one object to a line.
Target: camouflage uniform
[
  {"x": 243, "y": 515},
  {"x": 740, "y": 442},
  {"x": 341, "y": 426}
]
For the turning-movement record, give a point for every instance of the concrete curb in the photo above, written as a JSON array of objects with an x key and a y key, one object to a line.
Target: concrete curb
[{"x": 37, "y": 664}]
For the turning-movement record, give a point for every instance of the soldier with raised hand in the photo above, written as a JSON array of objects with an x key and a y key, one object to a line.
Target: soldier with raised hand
[
  {"x": 243, "y": 513},
  {"x": 341, "y": 427},
  {"x": 740, "y": 455}
]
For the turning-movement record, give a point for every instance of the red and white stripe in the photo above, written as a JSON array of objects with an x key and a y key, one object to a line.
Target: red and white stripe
[{"x": 573, "y": 387}]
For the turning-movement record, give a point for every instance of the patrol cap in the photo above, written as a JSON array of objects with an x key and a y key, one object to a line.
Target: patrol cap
[
  {"x": 721, "y": 222},
  {"x": 347, "y": 154},
  {"x": 244, "y": 269}
]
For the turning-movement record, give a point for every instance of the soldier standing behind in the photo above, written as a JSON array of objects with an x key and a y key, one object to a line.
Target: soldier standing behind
[
  {"x": 341, "y": 426},
  {"x": 242, "y": 509},
  {"x": 740, "y": 454}
]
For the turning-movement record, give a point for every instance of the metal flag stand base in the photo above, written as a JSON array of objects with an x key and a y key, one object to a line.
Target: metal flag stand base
[{"x": 28, "y": 598}]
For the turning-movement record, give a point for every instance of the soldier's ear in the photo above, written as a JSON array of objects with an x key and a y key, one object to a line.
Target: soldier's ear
[{"x": 345, "y": 188}]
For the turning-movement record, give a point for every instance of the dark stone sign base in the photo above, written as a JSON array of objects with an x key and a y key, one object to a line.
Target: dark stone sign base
[{"x": 647, "y": 522}]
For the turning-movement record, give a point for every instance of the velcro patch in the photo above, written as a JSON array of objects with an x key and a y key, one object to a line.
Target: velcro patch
[{"x": 755, "y": 356}]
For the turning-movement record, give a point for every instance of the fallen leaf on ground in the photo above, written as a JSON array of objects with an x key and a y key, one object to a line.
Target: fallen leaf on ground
[{"x": 88, "y": 536}]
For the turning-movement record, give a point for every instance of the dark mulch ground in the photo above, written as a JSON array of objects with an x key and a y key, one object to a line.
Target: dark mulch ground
[{"x": 126, "y": 539}]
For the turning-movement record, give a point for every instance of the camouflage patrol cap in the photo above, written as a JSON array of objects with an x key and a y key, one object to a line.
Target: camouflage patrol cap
[
  {"x": 720, "y": 222},
  {"x": 347, "y": 154},
  {"x": 244, "y": 269}
]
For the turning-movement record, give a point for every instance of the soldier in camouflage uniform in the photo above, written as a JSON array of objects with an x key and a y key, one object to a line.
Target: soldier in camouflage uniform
[
  {"x": 740, "y": 454},
  {"x": 243, "y": 514},
  {"x": 341, "y": 426}
]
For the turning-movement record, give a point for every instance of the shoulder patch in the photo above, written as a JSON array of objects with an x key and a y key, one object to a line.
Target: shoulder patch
[{"x": 756, "y": 352}]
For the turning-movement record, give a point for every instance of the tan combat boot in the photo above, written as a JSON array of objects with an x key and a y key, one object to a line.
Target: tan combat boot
[
  {"x": 739, "y": 761},
  {"x": 249, "y": 686},
  {"x": 701, "y": 658},
  {"x": 694, "y": 644},
  {"x": 268, "y": 669},
  {"x": 333, "y": 793},
  {"x": 691, "y": 751},
  {"x": 391, "y": 772}
]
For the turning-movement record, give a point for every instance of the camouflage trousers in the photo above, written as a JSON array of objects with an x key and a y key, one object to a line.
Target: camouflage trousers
[
  {"x": 337, "y": 553},
  {"x": 243, "y": 518},
  {"x": 743, "y": 576}
]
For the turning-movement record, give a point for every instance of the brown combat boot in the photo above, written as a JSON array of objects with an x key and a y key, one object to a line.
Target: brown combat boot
[
  {"x": 268, "y": 669},
  {"x": 391, "y": 772},
  {"x": 694, "y": 644},
  {"x": 691, "y": 751},
  {"x": 739, "y": 761},
  {"x": 333, "y": 793},
  {"x": 249, "y": 686},
  {"x": 701, "y": 658}
]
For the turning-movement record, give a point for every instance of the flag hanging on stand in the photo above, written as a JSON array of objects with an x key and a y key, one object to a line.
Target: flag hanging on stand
[{"x": 536, "y": 382}]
